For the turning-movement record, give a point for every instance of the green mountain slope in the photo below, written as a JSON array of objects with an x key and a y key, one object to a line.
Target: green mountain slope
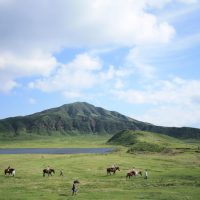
[
  {"x": 82, "y": 117},
  {"x": 148, "y": 141},
  {"x": 70, "y": 118}
]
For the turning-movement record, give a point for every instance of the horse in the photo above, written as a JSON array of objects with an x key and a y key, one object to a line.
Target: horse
[
  {"x": 10, "y": 171},
  {"x": 112, "y": 169},
  {"x": 138, "y": 173},
  {"x": 133, "y": 173},
  {"x": 48, "y": 171}
]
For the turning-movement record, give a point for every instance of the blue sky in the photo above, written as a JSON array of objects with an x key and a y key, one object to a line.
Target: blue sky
[{"x": 138, "y": 57}]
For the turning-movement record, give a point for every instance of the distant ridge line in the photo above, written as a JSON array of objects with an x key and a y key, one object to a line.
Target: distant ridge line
[{"x": 83, "y": 118}]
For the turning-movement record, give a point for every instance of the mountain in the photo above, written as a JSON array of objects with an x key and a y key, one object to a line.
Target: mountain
[{"x": 81, "y": 117}]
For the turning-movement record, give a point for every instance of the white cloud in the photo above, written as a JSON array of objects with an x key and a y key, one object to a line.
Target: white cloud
[
  {"x": 33, "y": 31},
  {"x": 136, "y": 59},
  {"x": 148, "y": 60},
  {"x": 163, "y": 3},
  {"x": 14, "y": 66},
  {"x": 33, "y": 63},
  {"x": 175, "y": 91},
  {"x": 85, "y": 62},
  {"x": 119, "y": 84},
  {"x": 189, "y": 1},
  {"x": 95, "y": 23},
  {"x": 173, "y": 115},
  {"x": 84, "y": 72},
  {"x": 173, "y": 102},
  {"x": 81, "y": 73},
  {"x": 7, "y": 85}
]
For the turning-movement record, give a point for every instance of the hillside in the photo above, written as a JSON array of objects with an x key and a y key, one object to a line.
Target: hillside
[
  {"x": 148, "y": 141},
  {"x": 81, "y": 117}
]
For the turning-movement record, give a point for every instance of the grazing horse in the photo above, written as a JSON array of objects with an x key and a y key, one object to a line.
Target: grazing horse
[
  {"x": 48, "y": 172},
  {"x": 112, "y": 169},
  {"x": 133, "y": 173},
  {"x": 9, "y": 171}
]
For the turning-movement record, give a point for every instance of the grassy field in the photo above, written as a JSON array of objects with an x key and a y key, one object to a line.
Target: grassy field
[{"x": 174, "y": 176}]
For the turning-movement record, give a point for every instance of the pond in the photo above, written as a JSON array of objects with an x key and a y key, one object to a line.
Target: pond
[{"x": 54, "y": 150}]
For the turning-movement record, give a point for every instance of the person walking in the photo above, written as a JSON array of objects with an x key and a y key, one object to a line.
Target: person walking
[
  {"x": 145, "y": 174},
  {"x": 61, "y": 172},
  {"x": 74, "y": 187}
]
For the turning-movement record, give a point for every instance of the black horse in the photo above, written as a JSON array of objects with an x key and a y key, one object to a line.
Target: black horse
[
  {"x": 112, "y": 169},
  {"x": 48, "y": 172},
  {"x": 9, "y": 171}
]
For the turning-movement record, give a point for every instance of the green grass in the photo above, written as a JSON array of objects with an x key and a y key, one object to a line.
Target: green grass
[
  {"x": 143, "y": 141},
  {"x": 171, "y": 176},
  {"x": 54, "y": 142}
]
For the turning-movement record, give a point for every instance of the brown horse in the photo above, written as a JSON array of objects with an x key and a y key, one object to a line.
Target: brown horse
[
  {"x": 112, "y": 169},
  {"x": 133, "y": 173},
  {"x": 9, "y": 171},
  {"x": 48, "y": 172},
  {"x": 129, "y": 174}
]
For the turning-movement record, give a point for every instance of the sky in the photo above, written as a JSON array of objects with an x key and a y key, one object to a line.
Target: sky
[{"x": 137, "y": 57}]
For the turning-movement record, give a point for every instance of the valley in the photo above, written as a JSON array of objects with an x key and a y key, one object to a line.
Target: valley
[{"x": 172, "y": 175}]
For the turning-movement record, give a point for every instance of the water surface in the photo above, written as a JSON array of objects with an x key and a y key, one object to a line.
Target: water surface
[{"x": 53, "y": 150}]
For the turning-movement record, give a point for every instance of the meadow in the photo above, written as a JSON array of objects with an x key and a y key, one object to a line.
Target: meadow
[{"x": 173, "y": 175}]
